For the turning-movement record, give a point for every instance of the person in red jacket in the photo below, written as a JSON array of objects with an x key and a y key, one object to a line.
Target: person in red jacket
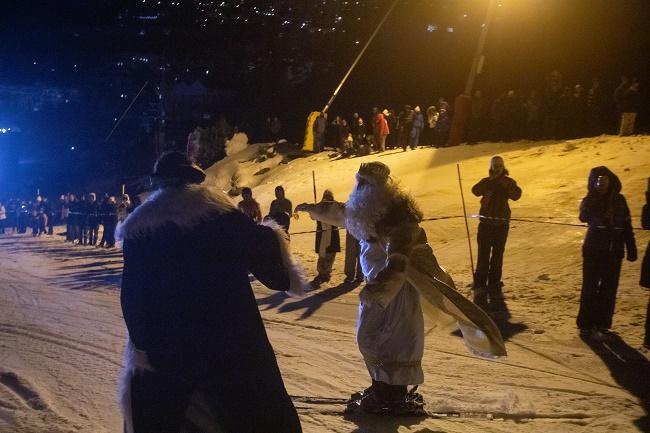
[
  {"x": 495, "y": 191},
  {"x": 380, "y": 129}
]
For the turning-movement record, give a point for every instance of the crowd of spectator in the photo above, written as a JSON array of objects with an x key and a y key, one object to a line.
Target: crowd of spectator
[
  {"x": 81, "y": 215},
  {"x": 559, "y": 111}
]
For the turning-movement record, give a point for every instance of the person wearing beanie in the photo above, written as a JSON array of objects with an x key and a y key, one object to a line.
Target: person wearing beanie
[
  {"x": 494, "y": 223},
  {"x": 198, "y": 357},
  {"x": 399, "y": 269}
]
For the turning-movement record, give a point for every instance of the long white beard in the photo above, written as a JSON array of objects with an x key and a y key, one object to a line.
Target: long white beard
[{"x": 366, "y": 205}]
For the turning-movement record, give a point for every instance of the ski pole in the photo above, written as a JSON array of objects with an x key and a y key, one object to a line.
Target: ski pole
[{"x": 469, "y": 241}]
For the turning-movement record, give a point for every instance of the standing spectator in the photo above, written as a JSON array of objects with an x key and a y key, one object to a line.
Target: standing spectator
[
  {"x": 123, "y": 208},
  {"x": 92, "y": 220},
  {"x": 596, "y": 108},
  {"x": 249, "y": 206},
  {"x": 645, "y": 266},
  {"x": 361, "y": 138},
  {"x": 608, "y": 236},
  {"x": 3, "y": 218},
  {"x": 70, "y": 217},
  {"x": 109, "y": 219},
  {"x": 404, "y": 126},
  {"x": 618, "y": 96},
  {"x": 354, "y": 125},
  {"x": 630, "y": 105},
  {"x": 495, "y": 191},
  {"x": 333, "y": 133},
  {"x": 578, "y": 112},
  {"x": 327, "y": 245},
  {"x": 416, "y": 129},
  {"x": 391, "y": 119},
  {"x": 320, "y": 128},
  {"x": 345, "y": 140},
  {"x": 443, "y": 124},
  {"x": 475, "y": 128},
  {"x": 49, "y": 212},
  {"x": 381, "y": 130},
  {"x": 281, "y": 209},
  {"x": 352, "y": 267},
  {"x": 197, "y": 345},
  {"x": 35, "y": 223},
  {"x": 42, "y": 222},
  {"x": 82, "y": 221},
  {"x": 551, "y": 104},
  {"x": 428, "y": 134}
]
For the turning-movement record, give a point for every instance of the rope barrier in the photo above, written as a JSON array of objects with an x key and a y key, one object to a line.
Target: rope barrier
[{"x": 524, "y": 220}]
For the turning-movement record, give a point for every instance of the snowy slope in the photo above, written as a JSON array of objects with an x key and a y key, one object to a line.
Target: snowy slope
[{"x": 61, "y": 332}]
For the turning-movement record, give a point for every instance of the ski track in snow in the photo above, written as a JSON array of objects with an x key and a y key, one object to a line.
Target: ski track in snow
[{"x": 62, "y": 334}]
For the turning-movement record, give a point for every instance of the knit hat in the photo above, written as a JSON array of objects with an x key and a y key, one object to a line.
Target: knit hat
[
  {"x": 375, "y": 170},
  {"x": 176, "y": 167}
]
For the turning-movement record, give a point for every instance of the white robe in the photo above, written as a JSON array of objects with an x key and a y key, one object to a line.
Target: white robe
[
  {"x": 390, "y": 339},
  {"x": 403, "y": 278}
]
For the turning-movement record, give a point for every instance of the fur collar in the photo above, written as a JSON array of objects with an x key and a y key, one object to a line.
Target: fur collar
[{"x": 186, "y": 206}]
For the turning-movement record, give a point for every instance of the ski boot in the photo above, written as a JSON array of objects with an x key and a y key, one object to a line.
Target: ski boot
[
  {"x": 412, "y": 405},
  {"x": 353, "y": 405}
]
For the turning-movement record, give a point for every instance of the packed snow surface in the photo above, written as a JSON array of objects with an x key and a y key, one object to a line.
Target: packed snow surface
[{"x": 62, "y": 333}]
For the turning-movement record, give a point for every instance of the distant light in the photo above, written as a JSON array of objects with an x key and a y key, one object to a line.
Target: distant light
[
  {"x": 450, "y": 29},
  {"x": 356, "y": 42},
  {"x": 207, "y": 71},
  {"x": 3, "y": 130},
  {"x": 500, "y": 4},
  {"x": 465, "y": 15},
  {"x": 34, "y": 62},
  {"x": 432, "y": 28},
  {"x": 71, "y": 147}
]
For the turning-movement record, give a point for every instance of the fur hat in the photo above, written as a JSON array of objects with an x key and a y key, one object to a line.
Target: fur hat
[
  {"x": 376, "y": 170},
  {"x": 175, "y": 167}
]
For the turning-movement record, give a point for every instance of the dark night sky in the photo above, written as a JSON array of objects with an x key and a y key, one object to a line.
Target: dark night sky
[{"x": 405, "y": 63}]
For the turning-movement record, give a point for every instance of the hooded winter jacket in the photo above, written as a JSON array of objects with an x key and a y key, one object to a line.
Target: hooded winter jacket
[{"x": 608, "y": 217}]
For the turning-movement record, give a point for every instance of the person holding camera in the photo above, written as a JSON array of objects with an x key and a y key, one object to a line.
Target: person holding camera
[
  {"x": 495, "y": 191},
  {"x": 608, "y": 237}
]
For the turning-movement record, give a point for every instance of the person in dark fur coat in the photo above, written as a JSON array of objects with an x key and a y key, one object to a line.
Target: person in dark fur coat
[
  {"x": 198, "y": 357},
  {"x": 608, "y": 236},
  {"x": 495, "y": 191}
]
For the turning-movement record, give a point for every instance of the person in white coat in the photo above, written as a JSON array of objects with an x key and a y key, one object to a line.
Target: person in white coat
[{"x": 399, "y": 269}]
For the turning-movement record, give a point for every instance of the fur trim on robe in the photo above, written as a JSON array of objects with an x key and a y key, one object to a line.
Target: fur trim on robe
[
  {"x": 297, "y": 282},
  {"x": 186, "y": 206}
]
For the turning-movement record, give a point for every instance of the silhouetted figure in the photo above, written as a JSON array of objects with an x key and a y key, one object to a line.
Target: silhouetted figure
[
  {"x": 495, "y": 191},
  {"x": 645, "y": 266}
]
